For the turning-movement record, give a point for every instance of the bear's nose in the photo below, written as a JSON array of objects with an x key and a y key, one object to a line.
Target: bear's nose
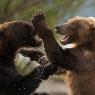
[{"x": 57, "y": 27}]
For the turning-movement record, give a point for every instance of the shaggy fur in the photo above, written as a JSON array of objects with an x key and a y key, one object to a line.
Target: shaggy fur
[
  {"x": 79, "y": 62},
  {"x": 13, "y": 36}
]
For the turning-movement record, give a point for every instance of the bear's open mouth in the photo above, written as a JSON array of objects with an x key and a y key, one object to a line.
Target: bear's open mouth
[{"x": 65, "y": 39}]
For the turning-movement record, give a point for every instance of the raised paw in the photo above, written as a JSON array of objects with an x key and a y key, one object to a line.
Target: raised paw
[
  {"x": 38, "y": 16},
  {"x": 40, "y": 24}
]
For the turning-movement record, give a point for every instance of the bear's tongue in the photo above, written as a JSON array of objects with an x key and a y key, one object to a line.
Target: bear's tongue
[{"x": 64, "y": 39}]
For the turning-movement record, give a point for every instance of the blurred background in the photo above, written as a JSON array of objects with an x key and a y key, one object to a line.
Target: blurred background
[{"x": 57, "y": 12}]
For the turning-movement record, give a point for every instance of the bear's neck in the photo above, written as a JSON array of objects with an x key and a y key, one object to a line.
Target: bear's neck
[{"x": 7, "y": 54}]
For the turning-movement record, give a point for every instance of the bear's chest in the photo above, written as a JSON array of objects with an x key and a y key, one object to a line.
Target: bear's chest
[{"x": 82, "y": 84}]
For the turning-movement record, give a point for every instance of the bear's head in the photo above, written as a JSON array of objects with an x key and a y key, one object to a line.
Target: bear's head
[
  {"x": 78, "y": 30},
  {"x": 19, "y": 34}
]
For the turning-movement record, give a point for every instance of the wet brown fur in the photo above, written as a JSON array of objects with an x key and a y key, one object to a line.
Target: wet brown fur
[
  {"x": 78, "y": 62},
  {"x": 13, "y": 36}
]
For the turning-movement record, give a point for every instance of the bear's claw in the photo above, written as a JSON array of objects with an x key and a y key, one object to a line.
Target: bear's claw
[{"x": 38, "y": 16}]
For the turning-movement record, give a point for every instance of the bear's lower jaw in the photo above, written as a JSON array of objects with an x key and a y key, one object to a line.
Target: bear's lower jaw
[
  {"x": 70, "y": 46},
  {"x": 64, "y": 40}
]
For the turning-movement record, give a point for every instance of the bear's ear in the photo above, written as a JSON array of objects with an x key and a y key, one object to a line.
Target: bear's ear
[
  {"x": 91, "y": 33},
  {"x": 92, "y": 27}
]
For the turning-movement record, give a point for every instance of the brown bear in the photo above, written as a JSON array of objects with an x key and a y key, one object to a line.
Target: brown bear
[
  {"x": 78, "y": 54},
  {"x": 13, "y": 36}
]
